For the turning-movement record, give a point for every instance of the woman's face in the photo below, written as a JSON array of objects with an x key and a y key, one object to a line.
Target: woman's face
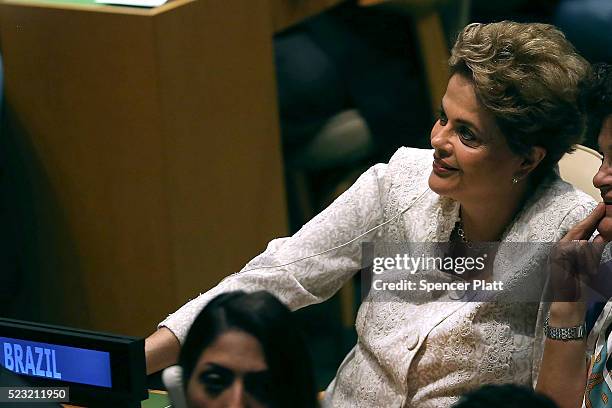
[
  {"x": 231, "y": 372},
  {"x": 603, "y": 178},
  {"x": 472, "y": 160}
]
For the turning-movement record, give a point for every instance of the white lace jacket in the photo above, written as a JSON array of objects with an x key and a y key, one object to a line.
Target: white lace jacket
[{"x": 407, "y": 354}]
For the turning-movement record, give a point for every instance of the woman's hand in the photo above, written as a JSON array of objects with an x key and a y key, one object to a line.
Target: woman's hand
[
  {"x": 575, "y": 267},
  {"x": 585, "y": 228},
  {"x": 574, "y": 264}
]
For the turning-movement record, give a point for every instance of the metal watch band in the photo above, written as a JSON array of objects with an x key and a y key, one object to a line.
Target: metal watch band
[{"x": 564, "y": 333}]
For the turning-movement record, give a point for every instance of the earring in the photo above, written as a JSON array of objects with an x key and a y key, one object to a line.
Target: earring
[{"x": 515, "y": 180}]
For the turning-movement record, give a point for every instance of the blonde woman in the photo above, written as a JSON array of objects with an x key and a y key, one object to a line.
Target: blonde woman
[{"x": 509, "y": 113}]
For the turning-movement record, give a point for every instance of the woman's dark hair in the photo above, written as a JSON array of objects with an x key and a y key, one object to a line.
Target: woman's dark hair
[
  {"x": 504, "y": 396},
  {"x": 263, "y": 316},
  {"x": 597, "y": 99}
]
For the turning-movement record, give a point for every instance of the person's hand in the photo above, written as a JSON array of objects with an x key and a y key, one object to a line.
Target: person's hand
[
  {"x": 604, "y": 228},
  {"x": 574, "y": 270},
  {"x": 585, "y": 228},
  {"x": 575, "y": 262}
]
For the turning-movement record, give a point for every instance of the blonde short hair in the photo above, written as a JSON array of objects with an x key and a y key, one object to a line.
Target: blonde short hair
[{"x": 528, "y": 76}]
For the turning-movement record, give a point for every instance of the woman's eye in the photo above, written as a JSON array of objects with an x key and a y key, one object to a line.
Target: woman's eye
[
  {"x": 467, "y": 136},
  {"x": 442, "y": 117},
  {"x": 215, "y": 382}
]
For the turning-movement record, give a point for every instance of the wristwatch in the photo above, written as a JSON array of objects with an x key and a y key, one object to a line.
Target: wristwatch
[{"x": 564, "y": 333}]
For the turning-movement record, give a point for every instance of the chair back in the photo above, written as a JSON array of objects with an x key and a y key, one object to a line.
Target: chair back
[{"x": 579, "y": 167}]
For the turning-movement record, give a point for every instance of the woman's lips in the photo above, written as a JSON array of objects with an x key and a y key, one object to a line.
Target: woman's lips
[
  {"x": 441, "y": 168},
  {"x": 607, "y": 199}
]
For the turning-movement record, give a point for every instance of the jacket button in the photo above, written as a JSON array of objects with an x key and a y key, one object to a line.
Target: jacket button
[{"x": 412, "y": 341}]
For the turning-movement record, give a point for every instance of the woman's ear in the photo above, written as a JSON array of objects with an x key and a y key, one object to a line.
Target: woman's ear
[{"x": 530, "y": 161}]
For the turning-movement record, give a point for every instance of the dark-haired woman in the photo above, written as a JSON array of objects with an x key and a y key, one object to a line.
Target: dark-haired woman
[
  {"x": 244, "y": 350},
  {"x": 566, "y": 375}
]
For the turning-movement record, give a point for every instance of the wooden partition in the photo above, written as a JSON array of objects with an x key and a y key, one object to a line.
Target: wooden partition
[{"x": 143, "y": 153}]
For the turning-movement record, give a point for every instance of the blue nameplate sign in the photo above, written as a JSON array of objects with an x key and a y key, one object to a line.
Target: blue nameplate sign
[
  {"x": 99, "y": 369},
  {"x": 58, "y": 362}
]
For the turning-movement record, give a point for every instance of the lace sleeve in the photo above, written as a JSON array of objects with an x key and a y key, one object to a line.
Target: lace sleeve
[{"x": 311, "y": 280}]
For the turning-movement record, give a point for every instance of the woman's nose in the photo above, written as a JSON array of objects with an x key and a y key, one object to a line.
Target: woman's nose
[
  {"x": 440, "y": 140},
  {"x": 236, "y": 397},
  {"x": 603, "y": 177}
]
